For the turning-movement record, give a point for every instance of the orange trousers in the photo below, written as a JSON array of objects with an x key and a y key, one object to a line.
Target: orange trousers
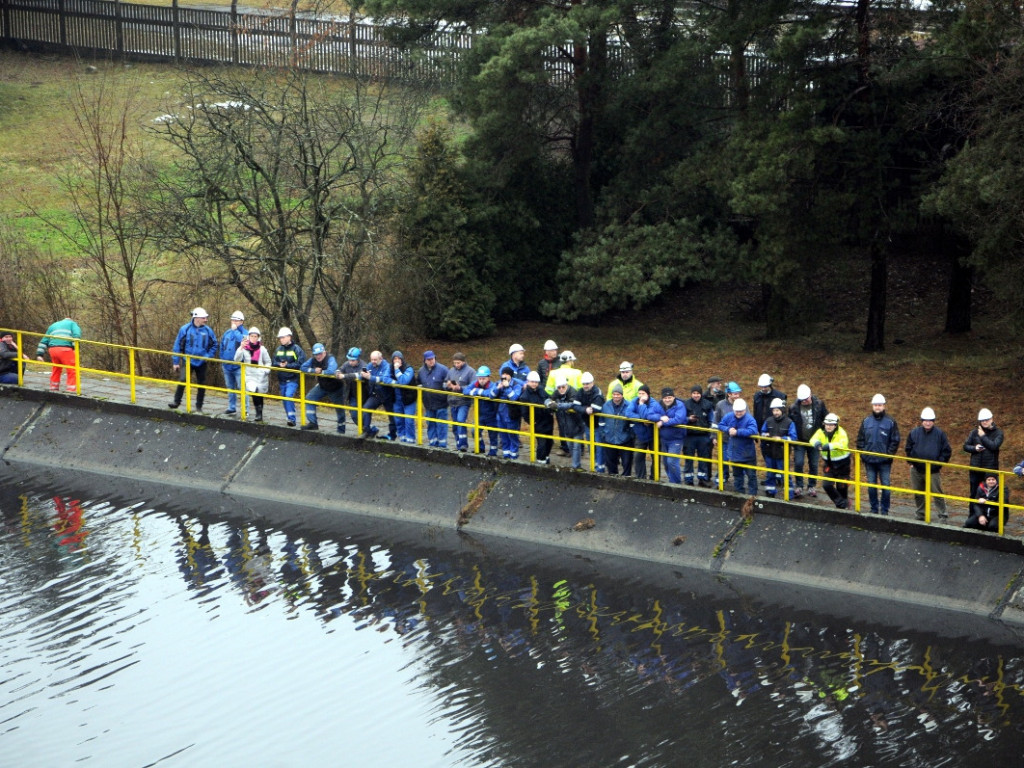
[{"x": 63, "y": 359}]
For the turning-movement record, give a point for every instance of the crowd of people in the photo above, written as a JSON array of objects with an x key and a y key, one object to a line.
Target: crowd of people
[{"x": 626, "y": 417}]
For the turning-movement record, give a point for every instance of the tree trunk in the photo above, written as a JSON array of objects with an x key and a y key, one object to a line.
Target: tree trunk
[
  {"x": 958, "y": 302},
  {"x": 874, "y": 339}
]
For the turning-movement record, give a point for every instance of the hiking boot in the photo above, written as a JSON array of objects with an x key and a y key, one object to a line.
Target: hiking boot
[
  {"x": 310, "y": 426},
  {"x": 291, "y": 422},
  {"x": 173, "y": 405}
]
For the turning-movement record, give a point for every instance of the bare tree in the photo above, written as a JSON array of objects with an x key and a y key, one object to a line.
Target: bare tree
[{"x": 288, "y": 180}]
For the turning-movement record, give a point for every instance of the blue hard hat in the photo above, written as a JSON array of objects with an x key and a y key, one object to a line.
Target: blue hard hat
[
  {"x": 732, "y": 386},
  {"x": 483, "y": 371},
  {"x": 354, "y": 353},
  {"x": 319, "y": 348}
]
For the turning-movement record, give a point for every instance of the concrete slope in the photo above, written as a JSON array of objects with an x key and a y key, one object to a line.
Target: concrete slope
[{"x": 312, "y": 474}]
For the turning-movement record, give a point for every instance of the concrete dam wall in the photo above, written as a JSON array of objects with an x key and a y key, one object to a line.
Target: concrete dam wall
[{"x": 313, "y": 476}]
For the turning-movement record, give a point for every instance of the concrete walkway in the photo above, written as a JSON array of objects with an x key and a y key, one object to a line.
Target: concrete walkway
[{"x": 151, "y": 395}]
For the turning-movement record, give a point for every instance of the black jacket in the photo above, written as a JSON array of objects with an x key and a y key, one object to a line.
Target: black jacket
[
  {"x": 932, "y": 446},
  {"x": 992, "y": 439}
]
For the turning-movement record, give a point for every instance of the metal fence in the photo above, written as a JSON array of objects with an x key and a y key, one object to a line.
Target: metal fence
[{"x": 162, "y": 33}]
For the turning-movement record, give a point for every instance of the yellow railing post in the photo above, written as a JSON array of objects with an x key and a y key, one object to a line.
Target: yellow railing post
[
  {"x": 1002, "y": 503},
  {"x": 420, "y": 415},
  {"x": 928, "y": 492},
  {"x": 131, "y": 374},
  {"x": 21, "y": 357},
  {"x": 78, "y": 367},
  {"x": 241, "y": 392},
  {"x": 856, "y": 481},
  {"x": 359, "y": 407},
  {"x": 656, "y": 468},
  {"x": 302, "y": 400},
  {"x": 720, "y": 459},
  {"x": 477, "y": 439},
  {"x": 532, "y": 433},
  {"x": 592, "y": 441},
  {"x": 785, "y": 469},
  {"x": 188, "y": 383}
]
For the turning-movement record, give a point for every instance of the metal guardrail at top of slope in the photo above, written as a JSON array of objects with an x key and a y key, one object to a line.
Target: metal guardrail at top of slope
[{"x": 140, "y": 388}]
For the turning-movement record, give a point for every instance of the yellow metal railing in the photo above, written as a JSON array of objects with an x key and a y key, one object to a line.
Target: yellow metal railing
[{"x": 529, "y": 433}]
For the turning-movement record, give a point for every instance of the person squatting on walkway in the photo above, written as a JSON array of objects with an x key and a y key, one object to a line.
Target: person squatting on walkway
[
  {"x": 328, "y": 386},
  {"x": 229, "y": 344},
  {"x": 741, "y": 428},
  {"x": 431, "y": 376},
  {"x": 781, "y": 427},
  {"x": 198, "y": 341},
  {"x": 257, "y": 360},
  {"x": 834, "y": 444},
  {"x": 985, "y": 508},
  {"x": 288, "y": 360},
  {"x": 9, "y": 358},
  {"x": 460, "y": 376},
  {"x": 669, "y": 417},
  {"x": 878, "y": 433},
  {"x": 927, "y": 443},
  {"x": 59, "y": 341}
]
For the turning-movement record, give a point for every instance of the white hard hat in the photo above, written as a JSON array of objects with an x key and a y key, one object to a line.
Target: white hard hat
[
  {"x": 587, "y": 378},
  {"x": 567, "y": 356},
  {"x": 831, "y": 419},
  {"x": 550, "y": 346},
  {"x": 561, "y": 381},
  {"x": 200, "y": 312},
  {"x": 927, "y": 414},
  {"x": 255, "y": 330},
  {"x": 739, "y": 405},
  {"x": 878, "y": 399},
  {"x": 778, "y": 402},
  {"x": 285, "y": 331},
  {"x": 533, "y": 376},
  {"x": 803, "y": 392},
  {"x": 515, "y": 348},
  {"x": 236, "y": 315},
  {"x": 625, "y": 365},
  {"x": 984, "y": 414},
  {"x": 765, "y": 380}
]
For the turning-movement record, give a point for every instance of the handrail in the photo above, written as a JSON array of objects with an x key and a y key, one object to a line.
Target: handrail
[{"x": 591, "y": 442}]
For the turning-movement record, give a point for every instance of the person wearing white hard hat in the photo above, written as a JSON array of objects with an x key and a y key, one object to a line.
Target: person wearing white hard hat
[
  {"x": 196, "y": 341},
  {"x": 512, "y": 414},
  {"x": 779, "y": 426},
  {"x": 741, "y": 428},
  {"x": 926, "y": 444},
  {"x": 288, "y": 360},
  {"x": 761, "y": 409},
  {"x": 834, "y": 444},
  {"x": 230, "y": 341},
  {"x": 878, "y": 434},
  {"x": 549, "y": 362},
  {"x": 568, "y": 371},
  {"x": 983, "y": 444},
  {"x": 630, "y": 384},
  {"x": 808, "y": 414},
  {"x": 253, "y": 352}
]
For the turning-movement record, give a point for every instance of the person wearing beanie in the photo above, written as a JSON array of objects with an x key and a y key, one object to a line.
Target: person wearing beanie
[
  {"x": 741, "y": 429},
  {"x": 230, "y": 341},
  {"x": 878, "y": 434},
  {"x": 697, "y": 443},
  {"x": 927, "y": 444},
  {"x": 808, "y": 414},
  {"x": 643, "y": 431},
  {"x": 404, "y": 404},
  {"x": 9, "y": 358},
  {"x": 834, "y": 444},
  {"x": 715, "y": 392},
  {"x": 983, "y": 444},
  {"x": 431, "y": 376},
  {"x": 615, "y": 433},
  {"x": 353, "y": 390},
  {"x": 669, "y": 418}
]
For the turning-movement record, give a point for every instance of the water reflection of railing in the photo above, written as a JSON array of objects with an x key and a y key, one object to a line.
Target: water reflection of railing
[{"x": 462, "y": 615}]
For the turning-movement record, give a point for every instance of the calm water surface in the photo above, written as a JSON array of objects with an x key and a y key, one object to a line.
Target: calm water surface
[{"x": 133, "y": 636}]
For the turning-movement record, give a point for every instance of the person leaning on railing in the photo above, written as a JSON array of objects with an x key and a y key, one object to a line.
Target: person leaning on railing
[
  {"x": 543, "y": 420},
  {"x": 9, "y": 357},
  {"x": 59, "y": 341}
]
